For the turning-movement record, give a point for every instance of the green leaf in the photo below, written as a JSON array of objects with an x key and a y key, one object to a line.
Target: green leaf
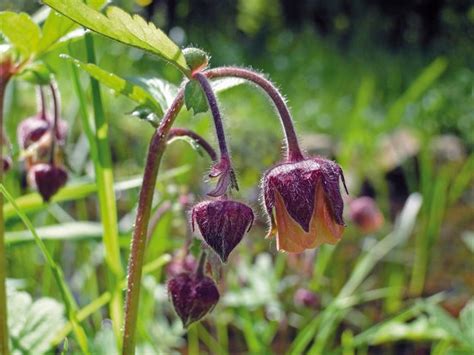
[
  {"x": 194, "y": 97},
  {"x": 20, "y": 31},
  {"x": 122, "y": 27},
  {"x": 36, "y": 73},
  {"x": 161, "y": 90},
  {"x": 118, "y": 85},
  {"x": 448, "y": 323},
  {"x": 192, "y": 142},
  {"x": 33, "y": 324},
  {"x": 143, "y": 112},
  {"x": 467, "y": 321}
]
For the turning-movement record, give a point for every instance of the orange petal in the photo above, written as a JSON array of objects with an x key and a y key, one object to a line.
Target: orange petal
[{"x": 290, "y": 236}]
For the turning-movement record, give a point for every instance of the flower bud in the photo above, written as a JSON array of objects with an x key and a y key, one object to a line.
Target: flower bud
[
  {"x": 222, "y": 224},
  {"x": 365, "y": 214},
  {"x": 7, "y": 163},
  {"x": 306, "y": 298},
  {"x": 32, "y": 129},
  {"x": 47, "y": 178},
  {"x": 196, "y": 59},
  {"x": 304, "y": 203},
  {"x": 193, "y": 296}
]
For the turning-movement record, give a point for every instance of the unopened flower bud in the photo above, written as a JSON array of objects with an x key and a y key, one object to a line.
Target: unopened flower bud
[
  {"x": 196, "y": 59},
  {"x": 304, "y": 203},
  {"x": 7, "y": 163},
  {"x": 32, "y": 129},
  {"x": 222, "y": 224},
  {"x": 306, "y": 298},
  {"x": 365, "y": 214},
  {"x": 47, "y": 178},
  {"x": 193, "y": 296}
]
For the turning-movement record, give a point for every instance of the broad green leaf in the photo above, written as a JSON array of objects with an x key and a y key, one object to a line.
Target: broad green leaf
[
  {"x": 161, "y": 90},
  {"x": 467, "y": 321},
  {"x": 36, "y": 73},
  {"x": 33, "y": 324},
  {"x": 118, "y": 84},
  {"x": 143, "y": 112},
  {"x": 57, "y": 27},
  {"x": 122, "y": 27},
  {"x": 194, "y": 97},
  {"x": 20, "y": 31}
]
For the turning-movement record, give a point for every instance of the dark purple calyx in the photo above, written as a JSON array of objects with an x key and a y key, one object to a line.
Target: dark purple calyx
[
  {"x": 296, "y": 183},
  {"x": 193, "y": 296},
  {"x": 47, "y": 178},
  {"x": 306, "y": 298},
  {"x": 222, "y": 224}
]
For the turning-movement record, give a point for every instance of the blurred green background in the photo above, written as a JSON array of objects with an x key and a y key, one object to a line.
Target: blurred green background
[{"x": 384, "y": 87}]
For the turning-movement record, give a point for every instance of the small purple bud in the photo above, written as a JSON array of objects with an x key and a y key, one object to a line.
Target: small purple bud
[
  {"x": 226, "y": 177},
  {"x": 193, "y": 296},
  {"x": 222, "y": 224},
  {"x": 47, "y": 178},
  {"x": 7, "y": 163},
  {"x": 365, "y": 214},
  {"x": 304, "y": 203},
  {"x": 306, "y": 298}
]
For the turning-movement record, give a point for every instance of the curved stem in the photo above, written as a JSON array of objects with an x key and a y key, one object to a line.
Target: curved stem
[
  {"x": 293, "y": 150},
  {"x": 54, "y": 128},
  {"x": 184, "y": 132},
  {"x": 202, "y": 263},
  {"x": 42, "y": 102},
  {"x": 216, "y": 115},
  {"x": 137, "y": 252}
]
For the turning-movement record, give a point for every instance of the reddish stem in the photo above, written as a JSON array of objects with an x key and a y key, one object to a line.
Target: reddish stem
[
  {"x": 184, "y": 132},
  {"x": 293, "y": 150}
]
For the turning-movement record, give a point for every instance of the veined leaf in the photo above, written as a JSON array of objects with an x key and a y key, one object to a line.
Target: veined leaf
[
  {"x": 118, "y": 85},
  {"x": 194, "y": 97},
  {"x": 122, "y": 27},
  {"x": 57, "y": 27},
  {"x": 20, "y": 31}
]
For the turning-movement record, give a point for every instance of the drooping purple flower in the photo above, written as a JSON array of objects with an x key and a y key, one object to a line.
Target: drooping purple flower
[
  {"x": 304, "y": 203},
  {"x": 222, "y": 224},
  {"x": 32, "y": 129},
  {"x": 193, "y": 296},
  {"x": 306, "y": 298},
  {"x": 365, "y": 214},
  {"x": 47, "y": 178}
]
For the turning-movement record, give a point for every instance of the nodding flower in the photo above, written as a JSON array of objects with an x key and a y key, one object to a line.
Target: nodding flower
[
  {"x": 193, "y": 296},
  {"x": 222, "y": 224},
  {"x": 365, "y": 214},
  {"x": 304, "y": 203},
  {"x": 47, "y": 178}
]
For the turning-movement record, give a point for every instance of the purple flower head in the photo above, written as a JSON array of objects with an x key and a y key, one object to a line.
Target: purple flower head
[
  {"x": 365, "y": 214},
  {"x": 47, "y": 178},
  {"x": 222, "y": 224},
  {"x": 32, "y": 129},
  {"x": 193, "y": 296},
  {"x": 304, "y": 203},
  {"x": 306, "y": 298},
  {"x": 7, "y": 163}
]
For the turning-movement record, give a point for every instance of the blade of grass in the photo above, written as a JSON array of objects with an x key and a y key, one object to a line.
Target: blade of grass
[
  {"x": 66, "y": 294},
  {"x": 108, "y": 209},
  {"x": 105, "y": 298}
]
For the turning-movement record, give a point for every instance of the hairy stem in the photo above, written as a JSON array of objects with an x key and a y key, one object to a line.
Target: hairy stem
[
  {"x": 184, "y": 132},
  {"x": 216, "y": 115},
  {"x": 3, "y": 264},
  {"x": 293, "y": 150},
  {"x": 137, "y": 252}
]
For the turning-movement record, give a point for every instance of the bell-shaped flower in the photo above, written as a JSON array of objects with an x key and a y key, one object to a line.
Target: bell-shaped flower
[
  {"x": 304, "y": 203},
  {"x": 365, "y": 214},
  {"x": 222, "y": 224},
  {"x": 47, "y": 178},
  {"x": 193, "y": 296}
]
